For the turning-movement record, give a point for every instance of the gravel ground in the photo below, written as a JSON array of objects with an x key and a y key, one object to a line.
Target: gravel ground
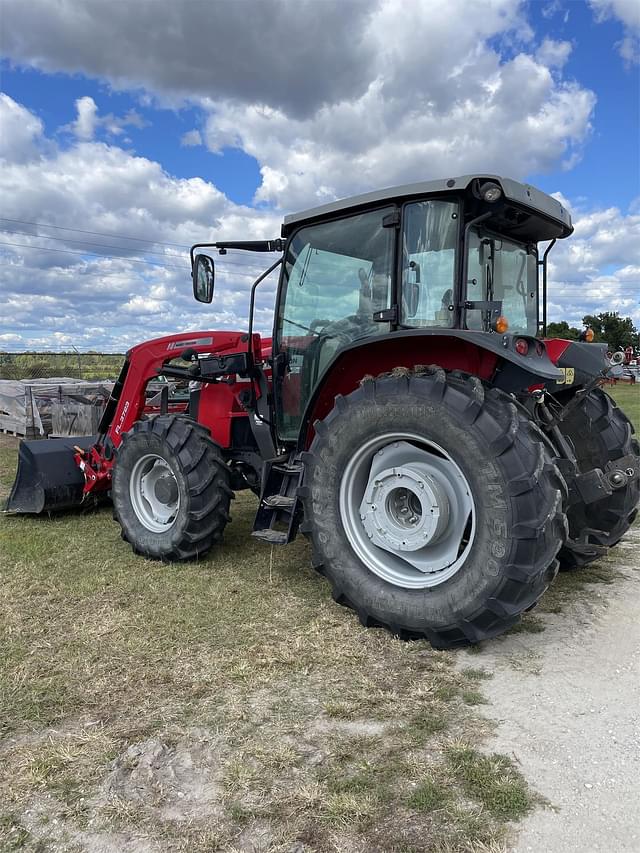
[{"x": 567, "y": 706}]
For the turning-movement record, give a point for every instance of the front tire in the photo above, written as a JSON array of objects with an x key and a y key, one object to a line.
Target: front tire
[
  {"x": 170, "y": 489},
  {"x": 486, "y": 559}
]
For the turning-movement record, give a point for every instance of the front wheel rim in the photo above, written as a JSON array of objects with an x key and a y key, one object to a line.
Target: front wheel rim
[
  {"x": 407, "y": 510},
  {"x": 154, "y": 493}
]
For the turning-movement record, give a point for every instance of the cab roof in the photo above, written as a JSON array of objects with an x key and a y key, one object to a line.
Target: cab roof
[{"x": 552, "y": 219}]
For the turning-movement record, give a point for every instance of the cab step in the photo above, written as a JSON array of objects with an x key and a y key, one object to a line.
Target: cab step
[
  {"x": 279, "y": 511},
  {"x": 280, "y": 502},
  {"x": 275, "y": 537},
  {"x": 287, "y": 467}
]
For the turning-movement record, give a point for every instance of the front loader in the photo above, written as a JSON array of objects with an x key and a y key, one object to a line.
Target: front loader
[{"x": 408, "y": 415}]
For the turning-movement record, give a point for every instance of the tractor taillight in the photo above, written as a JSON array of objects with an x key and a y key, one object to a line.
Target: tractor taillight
[
  {"x": 521, "y": 346},
  {"x": 501, "y": 325}
]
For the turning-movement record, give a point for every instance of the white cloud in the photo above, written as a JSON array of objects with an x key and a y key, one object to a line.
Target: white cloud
[
  {"x": 553, "y": 54},
  {"x": 269, "y": 51},
  {"x": 357, "y": 94},
  {"x": 597, "y": 268},
  {"x": 62, "y": 287},
  {"x": 84, "y": 126},
  {"x": 191, "y": 138},
  {"x": 518, "y": 121},
  {"x": 628, "y": 12},
  {"x": 440, "y": 100},
  {"x": 88, "y": 121},
  {"x": 20, "y": 131}
]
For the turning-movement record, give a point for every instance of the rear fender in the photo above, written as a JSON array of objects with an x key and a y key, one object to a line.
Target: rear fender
[{"x": 491, "y": 357}]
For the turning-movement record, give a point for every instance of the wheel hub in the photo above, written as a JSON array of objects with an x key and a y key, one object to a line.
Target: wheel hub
[
  {"x": 154, "y": 493},
  {"x": 407, "y": 510},
  {"x": 166, "y": 489},
  {"x": 404, "y": 508}
]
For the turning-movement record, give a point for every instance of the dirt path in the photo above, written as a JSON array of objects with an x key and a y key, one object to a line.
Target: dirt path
[{"x": 567, "y": 702}]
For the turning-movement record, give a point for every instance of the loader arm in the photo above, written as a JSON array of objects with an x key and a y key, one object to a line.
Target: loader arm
[
  {"x": 127, "y": 403},
  {"x": 146, "y": 361},
  {"x": 62, "y": 473}
]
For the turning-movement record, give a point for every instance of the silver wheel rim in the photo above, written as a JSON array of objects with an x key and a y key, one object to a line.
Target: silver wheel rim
[
  {"x": 407, "y": 510},
  {"x": 154, "y": 492}
]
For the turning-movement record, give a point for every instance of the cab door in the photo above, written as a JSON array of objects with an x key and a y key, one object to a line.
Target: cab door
[{"x": 336, "y": 277}]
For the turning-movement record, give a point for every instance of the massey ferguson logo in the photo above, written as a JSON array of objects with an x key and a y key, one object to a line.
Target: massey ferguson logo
[{"x": 193, "y": 342}]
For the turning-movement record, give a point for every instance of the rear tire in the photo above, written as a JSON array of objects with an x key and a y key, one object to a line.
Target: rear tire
[
  {"x": 600, "y": 433},
  {"x": 517, "y": 494},
  {"x": 185, "y": 508}
]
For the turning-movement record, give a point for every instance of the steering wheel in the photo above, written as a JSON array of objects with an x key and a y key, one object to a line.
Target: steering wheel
[{"x": 349, "y": 327}]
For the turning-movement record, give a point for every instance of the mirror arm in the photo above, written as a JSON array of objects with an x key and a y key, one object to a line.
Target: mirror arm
[{"x": 247, "y": 245}]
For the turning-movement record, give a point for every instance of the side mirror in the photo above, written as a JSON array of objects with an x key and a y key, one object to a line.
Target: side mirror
[{"x": 203, "y": 275}]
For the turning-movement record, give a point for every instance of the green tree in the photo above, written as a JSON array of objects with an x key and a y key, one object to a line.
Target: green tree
[
  {"x": 562, "y": 330},
  {"x": 609, "y": 327}
]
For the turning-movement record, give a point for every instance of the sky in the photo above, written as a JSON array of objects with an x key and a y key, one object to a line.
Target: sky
[{"x": 129, "y": 131}]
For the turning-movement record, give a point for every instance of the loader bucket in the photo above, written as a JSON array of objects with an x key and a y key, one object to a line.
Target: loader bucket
[{"x": 48, "y": 478}]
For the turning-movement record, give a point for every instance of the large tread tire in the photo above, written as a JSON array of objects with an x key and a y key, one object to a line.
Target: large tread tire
[
  {"x": 518, "y": 493},
  {"x": 203, "y": 479},
  {"x": 600, "y": 433}
]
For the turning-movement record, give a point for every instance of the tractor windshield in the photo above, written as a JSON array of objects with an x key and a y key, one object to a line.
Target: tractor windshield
[
  {"x": 500, "y": 269},
  {"x": 336, "y": 275}
]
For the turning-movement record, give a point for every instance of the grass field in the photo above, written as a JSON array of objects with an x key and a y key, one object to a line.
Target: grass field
[
  {"x": 628, "y": 398},
  {"x": 43, "y": 365},
  {"x": 229, "y": 705}
]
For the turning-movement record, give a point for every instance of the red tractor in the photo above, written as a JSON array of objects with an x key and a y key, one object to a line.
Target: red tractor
[{"x": 406, "y": 416}]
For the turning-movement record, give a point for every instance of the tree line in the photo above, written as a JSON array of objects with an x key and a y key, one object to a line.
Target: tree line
[{"x": 609, "y": 328}]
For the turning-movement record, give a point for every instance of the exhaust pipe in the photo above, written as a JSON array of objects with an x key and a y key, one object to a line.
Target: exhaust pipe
[{"x": 48, "y": 478}]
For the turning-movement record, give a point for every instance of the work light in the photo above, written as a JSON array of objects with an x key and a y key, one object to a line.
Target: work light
[{"x": 490, "y": 192}]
